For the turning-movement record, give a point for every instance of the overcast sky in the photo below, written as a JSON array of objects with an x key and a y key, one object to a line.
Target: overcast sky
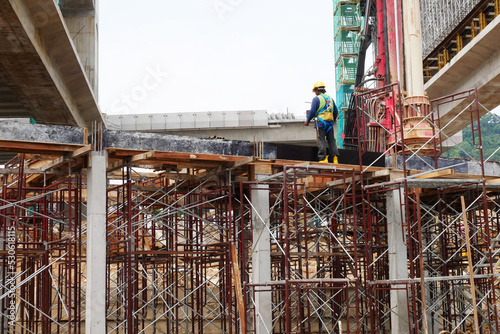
[{"x": 161, "y": 56}]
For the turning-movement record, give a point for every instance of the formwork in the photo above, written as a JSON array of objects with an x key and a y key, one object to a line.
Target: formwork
[
  {"x": 449, "y": 226},
  {"x": 440, "y": 19}
]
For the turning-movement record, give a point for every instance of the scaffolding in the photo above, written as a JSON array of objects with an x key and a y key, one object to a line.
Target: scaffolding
[
  {"x": 346, "y": 26},
  {"x": 313, "y": 240},
  {"x": 331, "y": 249},
  {"x": 42, "y": 253},
  {"x": 449, "y": 225}
]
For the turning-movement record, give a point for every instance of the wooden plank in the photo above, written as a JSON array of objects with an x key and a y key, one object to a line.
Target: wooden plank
[
  {"x": 4, "y": 171},
  {"x": 143, "y": 156},
  {"x": 85, "y": 136},
  {"x": 140, "y": 157},
  {"x": 469, "y": 260},
  {"x": 242, "y": 162},
  {"x": 238, "y": 289},
  {"x": 464, "y": 176},
  {"x": 381, "y": 173},
  {"x": 181, "y": 176},
  {"x": 493, "y": 180},
  {"x": 437, "y": 174},
  {"x": 373, "y": 175},
  {"x": 194, "y": 156},
  {"x": 340, "y": 167},
  {"x": 263, "y": 169},
  {"x": 146, "y": 188},
  {"x": 200, "y": 164},
  {"x": 340, "y": 182},
  {"x": 81, "y": 151},
  {"x": 209, "y": 173},
  {"x": 62, "y": 160},
  {"x": 118, "y": 175},
  {"x": 36, "y": 147},
  {"x": 116, "y": 165}
]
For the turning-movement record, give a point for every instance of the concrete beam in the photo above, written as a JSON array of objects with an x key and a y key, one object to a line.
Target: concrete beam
[
  {"x": 289, "y": 133},
  {"x": 40, "y": 66},
  {"x": 477, "y": 65},
  {"x": 81, "y": 18},
  {"x": 249, "y": 125},
  {"x": 170, "y": 143}
]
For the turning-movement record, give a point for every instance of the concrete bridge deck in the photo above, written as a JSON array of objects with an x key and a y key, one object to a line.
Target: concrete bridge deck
[
  {"x": 477, "y": 65},
  {"x": 42, "y": 76}
]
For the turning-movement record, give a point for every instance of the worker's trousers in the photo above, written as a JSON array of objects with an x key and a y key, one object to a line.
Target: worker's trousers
[{"x": 323, "y": 139}]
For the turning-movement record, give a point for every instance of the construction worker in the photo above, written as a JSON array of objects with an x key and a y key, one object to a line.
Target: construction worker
[{"x": 325, "y": 111}]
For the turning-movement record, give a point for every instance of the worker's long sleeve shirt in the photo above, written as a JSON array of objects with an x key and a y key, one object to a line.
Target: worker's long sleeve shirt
[{"x": 314, "y": 107}]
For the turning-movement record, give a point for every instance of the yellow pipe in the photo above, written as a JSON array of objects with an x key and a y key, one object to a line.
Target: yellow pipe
[
  {"x": 460, "y": 42},
  {"x": 482, "y": 21},
  {"x": 473, "y": 29}
]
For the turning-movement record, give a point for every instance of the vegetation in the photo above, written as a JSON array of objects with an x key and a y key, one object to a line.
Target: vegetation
[{"x": 490, "y": 133}]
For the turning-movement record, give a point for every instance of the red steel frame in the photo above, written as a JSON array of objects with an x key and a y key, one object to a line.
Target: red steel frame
[
  {"x": 304, "y": 277},
  {"x": 169, "y": 263},
  {"x": 424, "y": 234},
  {"x": 48, "y": 253}
]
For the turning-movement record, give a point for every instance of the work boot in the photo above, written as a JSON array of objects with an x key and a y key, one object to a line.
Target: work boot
[
  {"x": 324, "y": 161},
  {"x": 335, "y": 159}
]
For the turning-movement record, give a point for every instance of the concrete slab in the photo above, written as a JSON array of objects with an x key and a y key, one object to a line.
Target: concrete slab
[{"x": 39, "y": 64}]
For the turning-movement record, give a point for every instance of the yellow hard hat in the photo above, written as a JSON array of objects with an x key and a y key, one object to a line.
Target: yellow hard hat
[{"x": 318, "y": 85}]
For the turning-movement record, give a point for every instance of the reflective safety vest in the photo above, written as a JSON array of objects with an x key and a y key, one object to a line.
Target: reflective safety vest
[{"x": 325, "y": 109}]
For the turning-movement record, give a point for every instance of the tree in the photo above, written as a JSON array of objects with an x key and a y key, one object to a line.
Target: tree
[{"x": 490, "y": 135}]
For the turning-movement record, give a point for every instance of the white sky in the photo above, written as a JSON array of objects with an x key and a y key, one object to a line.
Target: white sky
[
  {"x": 219, "y": 55},
  {"x": 162, "y": 56}
]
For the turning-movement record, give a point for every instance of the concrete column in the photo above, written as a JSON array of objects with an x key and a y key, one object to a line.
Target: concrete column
[
  {"x": 261, "y": 257},
  {"x": 397, "y": 262},
  {"x": 95, "y": 322},
  {"x": 413, "y": 48}
]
